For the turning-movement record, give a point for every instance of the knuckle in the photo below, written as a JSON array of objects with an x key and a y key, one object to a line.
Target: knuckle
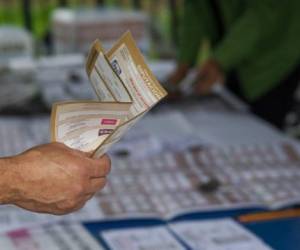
[
  {"x": 106, "y": 161},
  {"x": 66, "y": 206},
  {"x": 82, "y": 166},
  {"x": 80, "y": 171},
  {"x": 72, "y": 204},
  {"x": 78, "y": 207},
  {"x": 78, "y": 189},
  {"x": 102, "y": 183}
]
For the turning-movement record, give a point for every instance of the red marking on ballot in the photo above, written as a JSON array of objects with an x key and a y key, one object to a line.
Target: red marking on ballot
[
  {"x": 22, "y": 233},
  {"x": 109, "y": 121}
]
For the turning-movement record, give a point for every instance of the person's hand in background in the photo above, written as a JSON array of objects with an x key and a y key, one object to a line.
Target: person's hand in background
[
  {"x": 210, "y": 73},
  {"x": 51, "y": 178}
]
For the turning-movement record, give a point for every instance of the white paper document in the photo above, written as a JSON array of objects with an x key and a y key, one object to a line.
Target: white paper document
[
  {"x": 151, "y": 238},
  {"x": 12, "y": 217},
  {"x": 219, "y": 234},
  {"x": 215, "y": 234},
  {"x": 50, "y": 237},
  {"x": 228, "y": 128}
]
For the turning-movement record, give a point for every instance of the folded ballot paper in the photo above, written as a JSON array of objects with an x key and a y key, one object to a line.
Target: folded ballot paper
[{"x": 126, "y": 89}]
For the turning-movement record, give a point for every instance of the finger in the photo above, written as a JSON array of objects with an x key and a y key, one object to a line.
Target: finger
[
  {"x": 99, "y": 167},
  {"x": 204, "y": 87},
  {"x": 60, "y": 145},
  {"x": 81, "y": 153},
  {"x": 73, "y": 151},
  {"x": 89, "y": 196},
  {"x": 37, "y": 207},
  {"x": 84, "y": 154},
  {"x": 96, "y": 184},
  {"x": 76, "y": 208}
]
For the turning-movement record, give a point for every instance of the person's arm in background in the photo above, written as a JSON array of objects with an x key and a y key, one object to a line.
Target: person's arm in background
[
  {"x": 51, "y": 178},
  {"x": 239, "y": 42},
  {"x": 197, "y": 24}
]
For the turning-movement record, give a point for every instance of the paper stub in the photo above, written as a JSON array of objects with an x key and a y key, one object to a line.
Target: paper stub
[{"x": 126, "y": 89}]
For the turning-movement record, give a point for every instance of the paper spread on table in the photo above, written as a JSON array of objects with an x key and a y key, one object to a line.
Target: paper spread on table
[
  {"x": 156, "y": 237},
  {"x": 216, "y": 234},
  {"x": 208, "y": 234},
  {"x": 60, "y": 236},
  {"x": 168, "y": 185},
  {"x": 126, "y": 89},
  {"x": 202, "y": 179}
]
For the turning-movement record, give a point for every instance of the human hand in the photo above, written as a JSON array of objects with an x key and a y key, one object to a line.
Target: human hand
[
  {"x": 171, "y": 84},
  {"x": 210, "y": 73},
  {"x": 55, "y": 179}
]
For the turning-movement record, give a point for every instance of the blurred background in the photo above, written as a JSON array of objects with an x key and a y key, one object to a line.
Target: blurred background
[
  {"x": 36, "y": 36},
  {"x": 45, "y": 20}
]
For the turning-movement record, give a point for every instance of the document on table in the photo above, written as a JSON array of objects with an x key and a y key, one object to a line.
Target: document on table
[
  {"x": 216, "y": 234},
  {"x": 228, "y": 128},
  {"x": 156, "y": 133},
  {"x": 50, "y": 237},
  {"x": 201, "y": 179},
  {"x": 219, "y": 234},
  {"x": 126, "y": 89},
  {"x": 157, "y": 237},
  {"x": 12, "y": 217}
]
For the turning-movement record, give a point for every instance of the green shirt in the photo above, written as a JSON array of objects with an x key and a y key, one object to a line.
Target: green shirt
[{"x": 262, "y": 39}]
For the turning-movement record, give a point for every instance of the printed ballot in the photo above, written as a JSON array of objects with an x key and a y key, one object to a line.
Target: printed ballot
[{"x": 126, "y": 89}]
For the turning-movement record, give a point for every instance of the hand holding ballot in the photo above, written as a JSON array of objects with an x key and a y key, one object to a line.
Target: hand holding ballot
[
  {"x": 60, "y": 177},
  {"x": 51, "y": 178},
  {"x": 126, "y": 90}
]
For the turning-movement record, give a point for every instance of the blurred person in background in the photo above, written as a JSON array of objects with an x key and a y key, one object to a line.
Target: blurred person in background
[
  {"x": 51, "y": 178},
  {"x": 255, "y": 50}
]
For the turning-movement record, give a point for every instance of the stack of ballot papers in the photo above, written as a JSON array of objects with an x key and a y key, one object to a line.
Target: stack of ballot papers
[{"x": 126, "y": 89}]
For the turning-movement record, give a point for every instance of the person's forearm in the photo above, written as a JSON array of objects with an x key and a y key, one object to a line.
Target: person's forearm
[
  {"x": 6, "y": 173},
  {"x": 196, "y": 26}
]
